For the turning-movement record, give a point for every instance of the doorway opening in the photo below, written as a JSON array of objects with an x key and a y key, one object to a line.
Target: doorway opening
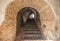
[{"x": 27, "y": 28}]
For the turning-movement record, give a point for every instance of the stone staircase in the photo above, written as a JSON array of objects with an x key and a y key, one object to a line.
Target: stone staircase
[{"x": 31, "y": 31}]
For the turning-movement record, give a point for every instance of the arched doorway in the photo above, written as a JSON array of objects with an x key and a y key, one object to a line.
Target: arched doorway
[
  {"x": 27, "y": 26},
  {"x": 9, "y": 25}
]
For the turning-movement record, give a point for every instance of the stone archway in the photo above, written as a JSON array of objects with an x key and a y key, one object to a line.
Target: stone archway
[
  {"x": 8, "y": 28},
  {"x": 22, "y": 15},
  {"x": 26, "y": 11}
]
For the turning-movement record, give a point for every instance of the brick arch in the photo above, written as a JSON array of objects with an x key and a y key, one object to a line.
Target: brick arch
[{"x": 46, "y": 15}]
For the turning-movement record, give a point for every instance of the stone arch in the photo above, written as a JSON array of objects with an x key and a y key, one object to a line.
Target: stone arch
[
  {"x": 27, "y": 9},
  {"x": 9, "y": 25},
  {"x": 22, "y": 12}
]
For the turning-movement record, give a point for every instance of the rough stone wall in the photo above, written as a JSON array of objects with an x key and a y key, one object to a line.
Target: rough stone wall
[{"x": 8, "y": 27}]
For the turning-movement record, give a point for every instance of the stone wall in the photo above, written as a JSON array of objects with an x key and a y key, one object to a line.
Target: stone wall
[{"x": 47, "y": 17}]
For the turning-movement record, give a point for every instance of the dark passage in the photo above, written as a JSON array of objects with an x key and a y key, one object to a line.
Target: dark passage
[
  {"x": 31, "y": 31},
  {"x": 27, "y": 28}
]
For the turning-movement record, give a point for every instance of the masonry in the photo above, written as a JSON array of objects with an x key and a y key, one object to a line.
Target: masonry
[{"x": 47, "y": 18}]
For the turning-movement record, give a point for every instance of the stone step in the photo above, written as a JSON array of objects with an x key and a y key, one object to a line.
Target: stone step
[
  {"x": 32, "y": 33},
  {"x": 29, "y": 27},
  {"x": 31, "y": 30},
  {"x": 30, "y": 40},
  {"x": 31, "y": 37}
]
